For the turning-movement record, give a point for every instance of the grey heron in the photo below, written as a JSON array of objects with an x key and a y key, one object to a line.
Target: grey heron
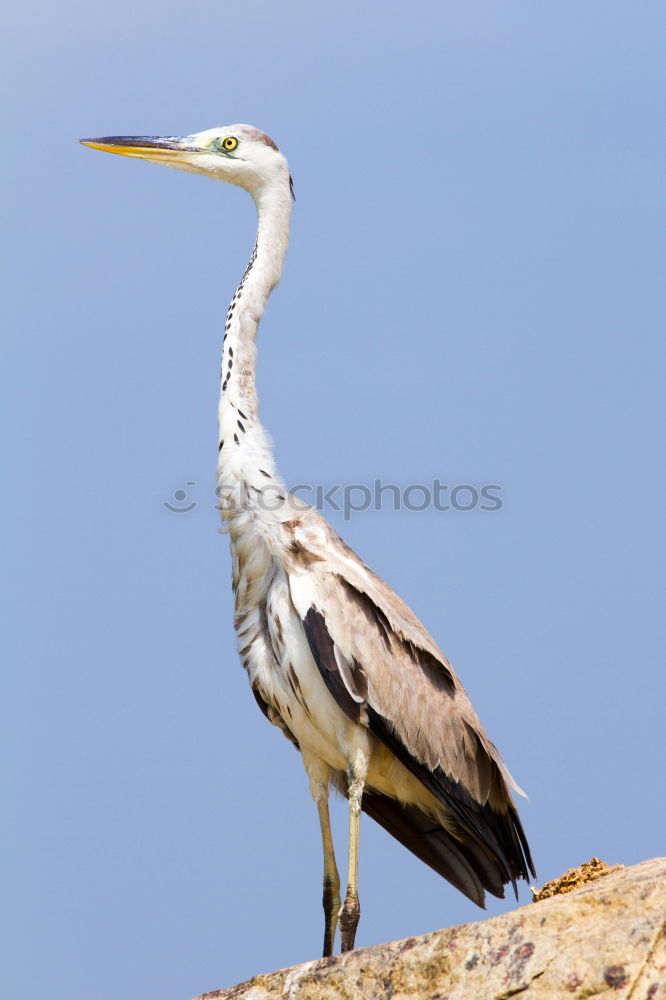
[{"x": 335, "y": 658}]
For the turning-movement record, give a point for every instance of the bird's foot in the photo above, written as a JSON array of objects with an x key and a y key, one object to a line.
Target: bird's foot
[{"x": 350, "y": 914}]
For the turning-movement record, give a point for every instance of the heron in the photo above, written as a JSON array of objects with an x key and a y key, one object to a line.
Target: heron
[{"x": 335, "y": 659}]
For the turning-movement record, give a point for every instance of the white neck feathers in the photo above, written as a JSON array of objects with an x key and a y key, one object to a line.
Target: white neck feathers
[{"x": 245, "y": 468}]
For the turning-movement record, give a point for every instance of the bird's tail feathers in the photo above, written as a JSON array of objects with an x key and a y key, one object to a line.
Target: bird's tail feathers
[{"x": 468, "y": 865}]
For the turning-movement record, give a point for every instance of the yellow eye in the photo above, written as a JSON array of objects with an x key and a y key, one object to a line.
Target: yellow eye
[{"x": 229, "y": 143}]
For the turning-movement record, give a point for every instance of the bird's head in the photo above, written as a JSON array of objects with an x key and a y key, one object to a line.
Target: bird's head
[{"x": 238, "y": 154}]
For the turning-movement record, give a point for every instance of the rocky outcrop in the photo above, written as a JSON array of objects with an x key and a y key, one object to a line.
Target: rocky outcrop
[{"x": 603, "y": 939}]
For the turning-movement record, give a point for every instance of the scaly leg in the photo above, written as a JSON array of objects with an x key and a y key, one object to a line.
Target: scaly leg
[
  {"x": 351, "y": 909},
  {"x": 331, "y": 893},
  {"x": 319, "y": 774}
]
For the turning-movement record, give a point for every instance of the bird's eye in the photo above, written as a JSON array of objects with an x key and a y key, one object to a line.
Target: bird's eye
[{"x": 229, "y": 143}]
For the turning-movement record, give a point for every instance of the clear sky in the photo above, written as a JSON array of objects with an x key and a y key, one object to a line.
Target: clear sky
[{"x": 472, "y": 293}]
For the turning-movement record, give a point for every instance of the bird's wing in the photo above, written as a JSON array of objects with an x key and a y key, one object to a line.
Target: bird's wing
[{"x": 386, "y": 672}]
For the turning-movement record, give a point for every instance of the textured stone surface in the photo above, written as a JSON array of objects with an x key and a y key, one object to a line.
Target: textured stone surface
[{"x": 605, "y": 939}]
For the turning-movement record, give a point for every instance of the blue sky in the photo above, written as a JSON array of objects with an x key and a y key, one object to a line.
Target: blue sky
[{"x": 471, "y": 293}]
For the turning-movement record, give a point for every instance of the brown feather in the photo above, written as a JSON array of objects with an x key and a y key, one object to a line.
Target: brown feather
[{"x": 385, "y": 671}]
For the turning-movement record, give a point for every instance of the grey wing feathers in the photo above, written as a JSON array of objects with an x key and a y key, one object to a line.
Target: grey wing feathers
[{"x": 383, "y": 668}]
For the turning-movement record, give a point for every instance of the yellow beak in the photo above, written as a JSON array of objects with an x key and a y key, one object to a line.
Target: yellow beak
[{"x": 159, "y": 149}]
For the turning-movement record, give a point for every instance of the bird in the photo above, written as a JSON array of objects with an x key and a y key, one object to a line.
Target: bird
[{"x": 335, "y": 659}]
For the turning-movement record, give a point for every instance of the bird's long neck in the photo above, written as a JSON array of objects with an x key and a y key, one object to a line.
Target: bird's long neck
[{"x": 245, "y": 469}]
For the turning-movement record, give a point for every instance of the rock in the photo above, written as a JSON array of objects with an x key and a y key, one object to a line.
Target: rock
[{"x": 603, "y": 939}]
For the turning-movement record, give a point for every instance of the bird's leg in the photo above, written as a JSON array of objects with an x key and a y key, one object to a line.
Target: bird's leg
[
  {"x": 331, "y": 894},
  {"x": 319, "y": 774},
  {"x": 351, "y": 909}
]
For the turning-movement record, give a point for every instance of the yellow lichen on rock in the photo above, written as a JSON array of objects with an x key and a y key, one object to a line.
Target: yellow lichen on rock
[{"x": 574, "y": 878}]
